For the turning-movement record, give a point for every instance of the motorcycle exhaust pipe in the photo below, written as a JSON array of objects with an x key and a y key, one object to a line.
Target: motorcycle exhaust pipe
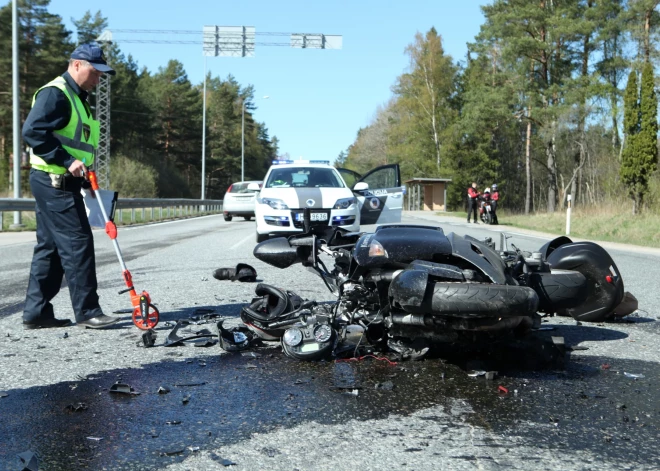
[{"x": 420, "y": 320}]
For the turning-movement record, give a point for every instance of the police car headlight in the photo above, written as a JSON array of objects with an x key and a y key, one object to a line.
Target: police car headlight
[
  {"x": 273, "y": 203},
  {"x": 344, "y": 203}
]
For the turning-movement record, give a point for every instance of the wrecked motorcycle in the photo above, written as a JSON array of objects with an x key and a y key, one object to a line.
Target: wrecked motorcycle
[{"x": 406, "y": 288}]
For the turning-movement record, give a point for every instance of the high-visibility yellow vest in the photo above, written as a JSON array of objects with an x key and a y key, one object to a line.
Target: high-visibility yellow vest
[{"x": 80, "y": 137}]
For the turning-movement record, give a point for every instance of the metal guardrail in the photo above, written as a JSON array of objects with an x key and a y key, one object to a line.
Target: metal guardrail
[{"x": 176, "y": 207}]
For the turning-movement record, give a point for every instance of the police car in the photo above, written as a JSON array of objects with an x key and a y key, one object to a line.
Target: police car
[{"x": 335, "y": 197}]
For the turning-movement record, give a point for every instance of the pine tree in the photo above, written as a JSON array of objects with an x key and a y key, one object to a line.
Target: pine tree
[{"x": 630, "y": 157}]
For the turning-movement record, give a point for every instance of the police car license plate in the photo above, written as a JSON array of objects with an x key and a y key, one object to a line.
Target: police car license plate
[{"x": 313, "y": 216}]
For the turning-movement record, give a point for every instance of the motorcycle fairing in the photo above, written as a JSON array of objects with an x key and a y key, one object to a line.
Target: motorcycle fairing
[
  {"x": 479, "y": 255},
  {"x": 402, "y": 244}
]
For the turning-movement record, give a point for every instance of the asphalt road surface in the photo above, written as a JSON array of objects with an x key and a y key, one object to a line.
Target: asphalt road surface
[{"x": 600, "y": 409}]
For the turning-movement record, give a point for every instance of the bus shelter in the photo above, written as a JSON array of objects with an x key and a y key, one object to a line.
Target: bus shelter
[{"x": 426, "y": 194}]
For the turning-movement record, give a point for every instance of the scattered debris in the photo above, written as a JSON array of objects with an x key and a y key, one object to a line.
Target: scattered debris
[
  {"x": 633, "y": 375},
  {"x": 490, "y": 375},
  {"x": 385, "y": 386},
  {"x": 3, "y": 394},
  {"x": 172, "y": 452},
  {"x": 353, "y": 392},
  {"x": 186, "y": 399},
  {"x": 163, "y": 390},
  {"x": 243, "y": 272},
  {"x": 148, "y": 339},
  {"x": 29, "y": 461},
  {"x": 502, "y": 389},
  {"x": 219, "y": 459},
  {"x": 122, "y": 388},
  {"x": 234, "y": 339},
  {"x": 80, "y": 406},
  {"x": 65, "y": 335},
  {"x": 194, "y": 449},
  {"x": 476, "y": 373},
  {"x": 190, "y": 384},
  {"x": 174, "y": 340},
  {"x": 95, "y": 439},
  {"x": 605, "y": 366},
  {"x": 173, "y": 422},
  {"x": 271, "y": 452}
]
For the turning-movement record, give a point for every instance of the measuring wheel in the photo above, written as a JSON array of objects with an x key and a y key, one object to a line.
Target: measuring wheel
[{"x": 146, "y": 322}]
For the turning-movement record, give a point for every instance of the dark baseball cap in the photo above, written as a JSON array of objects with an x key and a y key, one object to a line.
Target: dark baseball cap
[{"x": 94, "y": 55}]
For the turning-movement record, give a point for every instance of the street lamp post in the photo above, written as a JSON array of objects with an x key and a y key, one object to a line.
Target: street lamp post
[{"x": 266, "y": 97}]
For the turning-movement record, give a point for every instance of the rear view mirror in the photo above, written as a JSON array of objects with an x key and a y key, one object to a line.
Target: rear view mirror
[
  {"x": 253, "y": 187},
  {"x": 361, "y": 186}
]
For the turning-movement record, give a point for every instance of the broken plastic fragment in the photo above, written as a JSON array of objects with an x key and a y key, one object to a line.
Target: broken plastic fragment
[
  {"x": 223, "y": 461},
  {"x": 193, "y": 448},
  {"x": 163, "y": 390},
  {"x": 186, "y": 399},
  {"x": 29, "y": 461},
  {"x": 353, "y": 392},
  {"x": 502, "y": 389},
  {"x": 96, "y": 439},
  {"x": 122, "y": 388},
  {"x": 173, "y": 339},
  {"x": 475, "y": 373},
  {"x": 386, "y": 386},
  {"x": 173, "y": 422},
  {"x": 3, "y": 394},
  {"x": 80, "y": 406},
  {"x": 490, "y": 375},
  {"x": 172, "y": 452},
  {"x": 633, "y": 375},
  {"x": 234, "y": 339},
  {"x": 149, "y": 338}
]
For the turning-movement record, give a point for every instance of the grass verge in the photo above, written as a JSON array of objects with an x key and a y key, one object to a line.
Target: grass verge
[{"x": 603, "y": 224}]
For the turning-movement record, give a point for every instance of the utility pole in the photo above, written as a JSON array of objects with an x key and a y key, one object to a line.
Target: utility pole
[
  {"x": 16, "y": 114},
  {"x": 102, "y": 159}
]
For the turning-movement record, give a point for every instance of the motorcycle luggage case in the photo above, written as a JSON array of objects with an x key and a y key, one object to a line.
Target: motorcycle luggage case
[{"x": 604, "y": 283}]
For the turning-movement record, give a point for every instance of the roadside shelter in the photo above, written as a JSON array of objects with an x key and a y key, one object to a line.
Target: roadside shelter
[{"x": 426, "y": 194}]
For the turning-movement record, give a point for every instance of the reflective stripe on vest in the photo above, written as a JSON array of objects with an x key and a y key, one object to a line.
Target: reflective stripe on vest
[{"x": 71, "y": 136}]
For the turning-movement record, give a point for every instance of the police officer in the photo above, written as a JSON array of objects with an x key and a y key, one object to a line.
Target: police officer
[
  {"x": 473, "y": 197},
  {"x": 495, "y": 197},
  {"x": 63, "y": 137}
]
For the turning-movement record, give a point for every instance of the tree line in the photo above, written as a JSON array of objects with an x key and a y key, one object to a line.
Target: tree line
[
  {"x": 156, "y": 117},
  {"x": 536, "y": 107}
]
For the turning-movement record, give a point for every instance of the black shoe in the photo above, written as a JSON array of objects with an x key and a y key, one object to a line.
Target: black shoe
[
  {"x": 46, "y": 324},
  {"x": 98, "y": 322}
]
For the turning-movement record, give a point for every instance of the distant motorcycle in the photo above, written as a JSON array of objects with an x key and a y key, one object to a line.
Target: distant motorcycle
[
  {"x": 485, "y": 211},
  {"x": 406, "y": 285}
]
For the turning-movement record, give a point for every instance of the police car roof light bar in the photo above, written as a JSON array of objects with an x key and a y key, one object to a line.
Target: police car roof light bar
[
  {"x": 145, "y": 314},
  {"x": 288, "y": 162}
]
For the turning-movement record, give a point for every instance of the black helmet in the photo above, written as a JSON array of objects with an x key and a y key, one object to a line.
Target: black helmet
[{"x": 272, "y": 305}]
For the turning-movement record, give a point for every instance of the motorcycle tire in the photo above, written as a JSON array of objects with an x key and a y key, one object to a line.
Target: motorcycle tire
[
  {"x": 488, "y": 219},
  {"x": 473, "y": 300}
]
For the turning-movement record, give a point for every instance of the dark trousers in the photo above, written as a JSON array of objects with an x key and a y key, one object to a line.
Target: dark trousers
[
  {"x": 493, "y": 211},
  {"x": 472, "y": 208},
  {"x": 65, "y": 247}
]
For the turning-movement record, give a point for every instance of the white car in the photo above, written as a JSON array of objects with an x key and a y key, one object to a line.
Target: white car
[
  {"x": 292, "y": 186},
  {"x": 239, "y": 200}
]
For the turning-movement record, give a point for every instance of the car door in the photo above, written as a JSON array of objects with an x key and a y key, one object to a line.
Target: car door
[{"x": 382, "y": 201}]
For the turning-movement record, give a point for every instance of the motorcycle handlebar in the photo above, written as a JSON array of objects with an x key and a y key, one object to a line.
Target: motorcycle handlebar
[{"x": 302, "y": 242}]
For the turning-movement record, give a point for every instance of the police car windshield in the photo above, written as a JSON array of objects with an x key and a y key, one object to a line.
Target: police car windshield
[{"x": 304, "y": 177}]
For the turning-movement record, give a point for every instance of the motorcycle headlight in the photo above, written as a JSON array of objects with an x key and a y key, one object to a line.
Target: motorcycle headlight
[
  {"x": 273, "y": 203},
  {"x": 344, "y": 203},
  {"x": 293, "y": 337}
]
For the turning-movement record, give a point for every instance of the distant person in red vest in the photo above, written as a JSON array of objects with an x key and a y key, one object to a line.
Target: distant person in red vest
[
  {"x": 494, "y": 197},
  {"x": 473, "y": 196}
]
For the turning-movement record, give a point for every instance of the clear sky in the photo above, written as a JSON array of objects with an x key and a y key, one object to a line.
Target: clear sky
[{"x": 318, "y": 99}]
